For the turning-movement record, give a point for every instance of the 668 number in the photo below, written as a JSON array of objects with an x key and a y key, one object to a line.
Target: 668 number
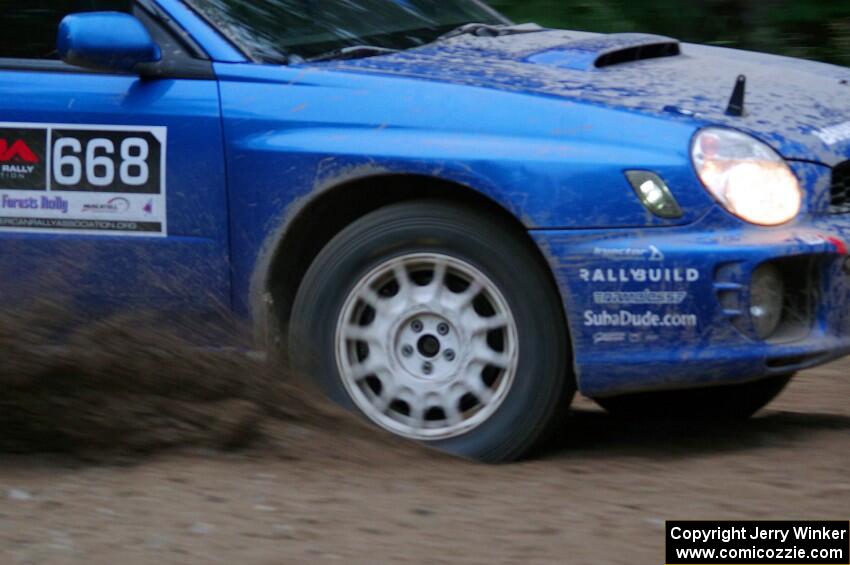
[{"x": 100, "y": 160}]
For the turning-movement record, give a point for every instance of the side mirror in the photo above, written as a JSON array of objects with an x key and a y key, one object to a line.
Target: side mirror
[{"x": 106, "y": 41}]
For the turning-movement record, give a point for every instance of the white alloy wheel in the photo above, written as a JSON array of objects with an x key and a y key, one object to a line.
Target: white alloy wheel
[{"x": 426, "y": 346}]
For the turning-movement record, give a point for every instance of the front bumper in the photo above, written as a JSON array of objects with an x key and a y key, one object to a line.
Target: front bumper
[{"x": 658, "y": 308}]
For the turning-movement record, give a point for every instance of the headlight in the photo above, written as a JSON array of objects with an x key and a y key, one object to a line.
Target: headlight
[{"x": 746, "y": 176}]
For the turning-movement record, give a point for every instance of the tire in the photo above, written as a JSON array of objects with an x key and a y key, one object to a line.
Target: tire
[
  {"x": 372, "y": 304},
  {"x": 727, "y": 402}
]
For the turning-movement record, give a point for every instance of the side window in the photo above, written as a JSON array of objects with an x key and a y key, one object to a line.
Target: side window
[{"x": 29, "y": 27}]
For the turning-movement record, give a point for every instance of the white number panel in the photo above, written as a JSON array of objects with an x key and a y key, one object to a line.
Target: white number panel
[{"x": 83, "y": 179}]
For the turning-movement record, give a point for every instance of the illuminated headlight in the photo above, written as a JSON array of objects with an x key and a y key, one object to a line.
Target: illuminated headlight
[
  {"x": 767, "y": 297},
  {"x": 746, "y": 176}
]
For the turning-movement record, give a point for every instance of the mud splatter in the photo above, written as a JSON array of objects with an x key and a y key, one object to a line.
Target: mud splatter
[{"x": 130, "y": 385}]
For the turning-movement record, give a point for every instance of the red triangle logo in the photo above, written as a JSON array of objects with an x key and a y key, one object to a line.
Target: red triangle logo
[{"x": 18, "y": 152}]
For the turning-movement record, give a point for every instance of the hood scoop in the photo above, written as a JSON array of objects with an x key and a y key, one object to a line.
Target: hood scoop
[{"x": 607, "y": 51}]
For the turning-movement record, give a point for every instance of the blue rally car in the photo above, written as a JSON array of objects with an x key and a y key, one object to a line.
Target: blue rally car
[{"x": 451, "y": 222}]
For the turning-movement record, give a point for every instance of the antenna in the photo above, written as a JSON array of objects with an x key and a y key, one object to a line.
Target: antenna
[{"x": 736, "y": 103}]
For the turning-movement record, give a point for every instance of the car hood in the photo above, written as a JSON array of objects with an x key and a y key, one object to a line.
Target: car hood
[{"x": 801, "y": 108}]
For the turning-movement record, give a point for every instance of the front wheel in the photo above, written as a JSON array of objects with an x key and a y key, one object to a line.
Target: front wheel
[
  {"x": 726, "y": 402},
  {"x": 439, "y": 326}
]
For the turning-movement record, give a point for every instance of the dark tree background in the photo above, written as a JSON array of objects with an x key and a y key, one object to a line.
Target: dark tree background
[{"x": 814, "y": 29}]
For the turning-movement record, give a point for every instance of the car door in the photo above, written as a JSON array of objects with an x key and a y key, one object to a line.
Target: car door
[{"x": 112, "y": 186}]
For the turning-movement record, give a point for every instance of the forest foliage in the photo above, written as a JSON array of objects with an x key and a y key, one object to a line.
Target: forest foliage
[{"x": 813, "y": 29}]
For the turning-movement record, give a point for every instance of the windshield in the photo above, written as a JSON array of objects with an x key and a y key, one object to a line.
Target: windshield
[{"x": 278, "y": 30}]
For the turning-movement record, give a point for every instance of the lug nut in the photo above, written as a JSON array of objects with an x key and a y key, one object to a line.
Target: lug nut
[
  {"x": 427, "y": 368},
  {"x": 416, "y": 326},
  {"x": 407, "y": 350},
  {"x": 443, "y": 328},
  {"x": 449, "y": 354}
]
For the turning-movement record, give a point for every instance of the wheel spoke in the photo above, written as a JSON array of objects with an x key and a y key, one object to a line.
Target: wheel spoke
[
  {"x": 416, "y": 405},
  {"x": 479, "y": 325},
  {"x": 371, "y": 298},
  {"x": 481, "y": 392},
  {"x": 402, "y": 278},
  {"x": 380, "y": 403},
  {"x": 417, "y": 416},
  {"x": 451, "y": 411},
  {"x": 354, "y": 332},
  {"x": 388, "y": 380},
  {"x": 473, "y": 383},
  {"x": 367, "y": 368},
  {"x": 440, "y": 268},
  {"x": 474, "y": 289},
  {"x": 460, "y": 301},
  {"x": 494, "y": 358},
  {"x": 432, "y": 291},
  {"x": 438, "y": 281}
]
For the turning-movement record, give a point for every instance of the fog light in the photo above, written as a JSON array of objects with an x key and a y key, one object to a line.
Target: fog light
[{"x": 767, "y": 297}]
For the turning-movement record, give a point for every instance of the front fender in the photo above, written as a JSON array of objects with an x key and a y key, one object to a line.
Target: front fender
[{"x": 291, "y": 132}]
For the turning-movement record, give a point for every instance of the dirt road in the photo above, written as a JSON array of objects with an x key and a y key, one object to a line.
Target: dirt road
[{"x": 600, "y": 493}]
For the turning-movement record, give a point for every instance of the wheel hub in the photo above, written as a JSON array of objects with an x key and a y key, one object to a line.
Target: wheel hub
[{"x": 427, "y": 346}]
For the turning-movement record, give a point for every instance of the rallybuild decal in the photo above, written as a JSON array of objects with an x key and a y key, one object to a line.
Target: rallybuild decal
[
  {"x": 639, "y": 275},
  {"x": 621, "y": 318},
  {"x": 83, "y": 179}
]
